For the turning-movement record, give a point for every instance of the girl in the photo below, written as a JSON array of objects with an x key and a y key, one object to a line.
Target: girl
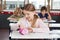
[
  {"x": 44, "y": 14},
  {"x": 31, "y": 20},
  {"x": 16, "y": 15}
]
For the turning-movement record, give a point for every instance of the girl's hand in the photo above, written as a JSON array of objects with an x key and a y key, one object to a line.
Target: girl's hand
[
  {"x": 43, "y": 18},
  {"x": 30, "y": 30}
]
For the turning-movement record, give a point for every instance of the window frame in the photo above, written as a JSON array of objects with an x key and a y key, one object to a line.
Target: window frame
[{"x": 52, "y": 7}]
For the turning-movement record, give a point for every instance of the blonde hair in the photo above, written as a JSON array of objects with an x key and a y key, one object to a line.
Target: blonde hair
[
  {"x": 30, "y": 7},
  {"x": 17, "y": 10}
]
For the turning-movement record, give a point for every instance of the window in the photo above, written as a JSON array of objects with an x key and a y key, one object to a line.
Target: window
[
  {"x": 7, "y": 6},
  {"x": 21, "y": 4},
  {"x": 56, "y": 4},
  {"x": 38, "y": 3},
  {"x": 12, "y": 4}
]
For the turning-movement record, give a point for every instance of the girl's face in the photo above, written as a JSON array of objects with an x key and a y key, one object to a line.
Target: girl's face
[
  {"x": 43, "y": 12},
  {"x": 29, "y": 15},
  {"x": 18, "y": 12}
]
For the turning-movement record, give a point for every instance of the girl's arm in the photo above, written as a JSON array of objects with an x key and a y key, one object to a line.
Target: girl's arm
[
  {"x": 11, "y": 18},
  {"x": 42, "y": 25},
  {"x": 49, "y": 17}
]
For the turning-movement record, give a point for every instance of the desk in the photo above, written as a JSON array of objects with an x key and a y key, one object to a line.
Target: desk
[
  {"x": 54, "y": 25},
  {"x": 49, "y": 22},
  {"x": 46, "y": 21},
  {"x": 17, "y": 35},
  {"x": 51, "y": 35}
]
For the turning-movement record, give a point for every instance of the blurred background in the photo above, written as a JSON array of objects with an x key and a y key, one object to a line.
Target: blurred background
[{"x": 7, "y": 7}]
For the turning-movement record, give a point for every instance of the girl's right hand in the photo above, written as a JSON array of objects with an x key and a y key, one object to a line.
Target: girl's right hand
[{"x": 30, "y": 30}]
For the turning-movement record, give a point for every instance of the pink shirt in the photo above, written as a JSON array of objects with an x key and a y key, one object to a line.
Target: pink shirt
[{"x": 39, "y": 24}]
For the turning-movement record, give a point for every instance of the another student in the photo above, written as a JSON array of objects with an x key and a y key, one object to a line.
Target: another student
[
  {"x": 31, "y": 20},
  {"x": 16, "y": 15},
  {"x": 44, "y": 14}
]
